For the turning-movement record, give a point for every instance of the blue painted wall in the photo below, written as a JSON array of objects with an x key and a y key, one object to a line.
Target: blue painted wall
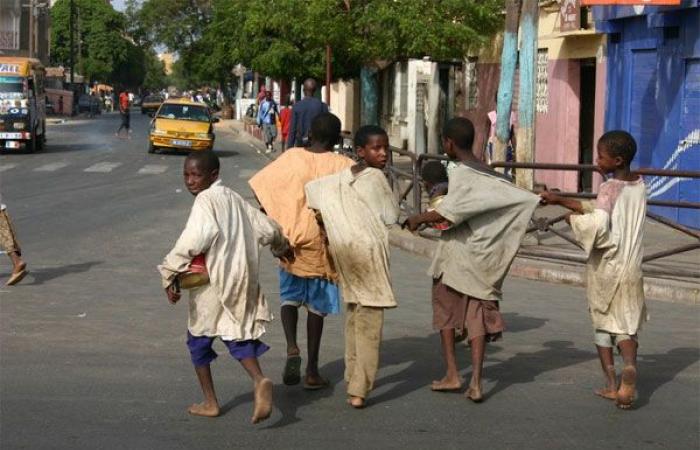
[{"x": 654, "y": 93}]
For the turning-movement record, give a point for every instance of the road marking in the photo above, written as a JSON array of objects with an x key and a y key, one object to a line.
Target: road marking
[
  {"x": 152, "y": 169},
  {"x": 103, "y": 167},
  {"x": 51, "y": 167},
  {"x": 4, "y": 167}
]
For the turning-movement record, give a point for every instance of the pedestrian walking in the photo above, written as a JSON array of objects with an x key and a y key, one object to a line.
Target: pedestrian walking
[
  {"x": 124, "y": 114},
  {"x": 285, "y": 122},
  {"x": 10, "y": 245},
  {"x": 267, "y": 119},
  {"x": 309, "y": 280},
  {"x": 303, "y": 114},
  {"x": 355, "y": 208},
  {"x": 610, "y": 230},
  {"x": 228, "y": 304},
  {"x": 488, "y": 217}
]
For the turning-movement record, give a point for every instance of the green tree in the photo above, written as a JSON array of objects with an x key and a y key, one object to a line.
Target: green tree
[{"x": 102, "y": 48}]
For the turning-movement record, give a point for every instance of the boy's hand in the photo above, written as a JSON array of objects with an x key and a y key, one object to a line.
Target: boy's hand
[
  {"x": 548, "y": 198},
  {"x": 288, "y": 256},
  {"x": 172, "y": 294},
  {"x": 412, "y": 223}
]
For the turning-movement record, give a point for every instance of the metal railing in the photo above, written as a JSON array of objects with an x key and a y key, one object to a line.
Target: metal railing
[{"x": 411, "y": 168}]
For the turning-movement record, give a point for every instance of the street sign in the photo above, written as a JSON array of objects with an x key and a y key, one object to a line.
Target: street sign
[{"x": 630, "y": 2}]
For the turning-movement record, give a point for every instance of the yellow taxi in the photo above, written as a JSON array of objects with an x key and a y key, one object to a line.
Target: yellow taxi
[{"x": 181, "y": 124}]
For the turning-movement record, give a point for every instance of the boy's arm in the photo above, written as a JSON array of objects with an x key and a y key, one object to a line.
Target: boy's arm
[
  {"x": 291, "y": 138},
  {"x": 549, "y": 198},
  {"x": 270, "y": 233},
  {"x": 413, "y": 222}
]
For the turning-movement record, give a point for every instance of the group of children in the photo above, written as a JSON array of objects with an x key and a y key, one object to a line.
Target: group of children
[{"x": 327, "y": 218}]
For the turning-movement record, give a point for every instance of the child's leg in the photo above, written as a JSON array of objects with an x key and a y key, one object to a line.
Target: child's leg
[
  {"x": 603, "y": 343},
  {"x": 628, "y": 349},
  {"x": 451, "y": 381},
  {"x": 290, "y": 318},
  {"x": 350, "y": 349},
  {"x": 210, "y": 406},
  {"x": 263, "y": 390},
  {"x": 478, "y": 345},
  {"x": 202, "y": 355},
  {"x": 368, "y": 335},
  {"x": 314, "y": 331}
]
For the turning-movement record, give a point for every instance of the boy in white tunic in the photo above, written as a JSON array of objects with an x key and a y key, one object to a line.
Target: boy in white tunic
[
  {"x": 488, "y": 217},
  {"x": 611, "y": 231},
  {"x": 229, "y": 232},
  {"x": 355, "y": 207}
]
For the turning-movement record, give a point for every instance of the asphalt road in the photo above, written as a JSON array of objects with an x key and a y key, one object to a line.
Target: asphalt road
[{"x": 93, "y": 357}]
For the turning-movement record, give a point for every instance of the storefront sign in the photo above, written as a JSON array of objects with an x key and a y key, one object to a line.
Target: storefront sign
[
  {"x": 630, "y": 2},
  {"x": 570, "y": 15}
]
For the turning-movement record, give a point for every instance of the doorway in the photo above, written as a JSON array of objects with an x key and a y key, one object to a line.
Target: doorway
[{"x": 586, "y": 121}]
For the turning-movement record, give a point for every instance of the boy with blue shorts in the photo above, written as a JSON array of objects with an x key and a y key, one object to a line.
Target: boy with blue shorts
[
  {"x": 226, "y": 302},
  {"x": 310, "y": 279}
]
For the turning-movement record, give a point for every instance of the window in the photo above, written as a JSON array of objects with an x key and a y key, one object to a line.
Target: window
[
  {"x": 471, "y": 84},
  {"x": 541, "y": 99}
]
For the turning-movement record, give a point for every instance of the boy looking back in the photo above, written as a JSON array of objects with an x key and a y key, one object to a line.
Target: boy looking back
[
  {"x": 309, "y": 280},
  {"x": 356, "y": 206},
  {"x": 489, "y": 216},
  {"x": 231, "y": 307},
  {"x": 611, "y": 231}
]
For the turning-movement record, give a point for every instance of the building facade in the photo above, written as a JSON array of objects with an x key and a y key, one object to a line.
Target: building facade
[
  {"x": 24, "y": 29},
  {"x": 653, "y": 82}
]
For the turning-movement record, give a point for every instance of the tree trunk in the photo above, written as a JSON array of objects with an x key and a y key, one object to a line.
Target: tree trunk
[
  {"x": 509, "y": 59},
  {"x": 526, "y": 100}
]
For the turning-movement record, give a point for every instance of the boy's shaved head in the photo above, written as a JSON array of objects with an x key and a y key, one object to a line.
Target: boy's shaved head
[
  {"x": 325, "y": 130},
  {"x": 363, "y": 134},
  {"x": 460, "y": 130},
  {"x": 619, "y": 143},
  {"x": 434, "y": 172},
  {"x": 206, "y": 160}
]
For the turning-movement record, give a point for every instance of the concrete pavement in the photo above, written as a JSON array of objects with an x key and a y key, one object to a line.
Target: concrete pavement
[{"x": 92, "y": 356}]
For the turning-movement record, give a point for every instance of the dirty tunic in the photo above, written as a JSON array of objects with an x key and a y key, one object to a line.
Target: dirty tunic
[
  {"x": 279, "y": 188},
  {"x": 356, "y": 211},
  {"x": 611, "y": 233},
  {"x": 229, "y": 232},
  {"x": 489, "y": 216}
]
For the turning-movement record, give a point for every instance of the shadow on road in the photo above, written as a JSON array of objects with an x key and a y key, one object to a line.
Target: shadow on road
[
  {"x": 41, "y": 276},
  {"x": 656, "y": 370},
  {"x": 183, "y": 153}
]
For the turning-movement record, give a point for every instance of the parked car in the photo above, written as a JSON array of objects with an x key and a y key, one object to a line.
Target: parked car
[
  {"x": 182, "y": 124},
  {"x": 137, "y": 101},
  {"x": 89, "y": 104},
  {"x": 151, "y": 104}
]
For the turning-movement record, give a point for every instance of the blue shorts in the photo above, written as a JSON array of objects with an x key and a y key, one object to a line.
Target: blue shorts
[
  {"x": 318, "y": 295},
  {"x": 202, "y": 354}
]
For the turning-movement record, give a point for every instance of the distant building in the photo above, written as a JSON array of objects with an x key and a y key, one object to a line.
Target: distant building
[{"x": 17, "y": 19}]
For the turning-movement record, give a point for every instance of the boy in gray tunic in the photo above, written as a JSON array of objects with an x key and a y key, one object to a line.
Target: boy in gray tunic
[{"x": 488, "y": 216}]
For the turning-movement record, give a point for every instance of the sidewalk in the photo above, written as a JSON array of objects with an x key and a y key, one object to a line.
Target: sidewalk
[{"x": 665, "y": 283}]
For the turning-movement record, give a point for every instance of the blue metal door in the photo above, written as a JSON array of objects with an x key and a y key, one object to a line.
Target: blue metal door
[{"x": 688, "y": 149}]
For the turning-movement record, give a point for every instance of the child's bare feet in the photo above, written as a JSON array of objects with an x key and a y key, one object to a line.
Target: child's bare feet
[
  {"x": 204, "y": 409},
  {"x": 449, "y": 383},
  {"x": 473, "y": 392},
  {"x": 610, "y": 391},
  {"x": 628, "y": 382},
  {"x": 356, "y": 402},
  {"x": 263, "y": 401},
  {"x": 314, "y": 382},
  {"x": 607, "y": 393}
]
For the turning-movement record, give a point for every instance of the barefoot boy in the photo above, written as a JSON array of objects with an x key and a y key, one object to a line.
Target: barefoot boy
[
  {"x": 610, "y": 231},
  {"x": 309, "y": 280},
  {"x": 355, "y": 206},
  {"x": 229, "y": 232},
  {"x": 488, "y": 215}
]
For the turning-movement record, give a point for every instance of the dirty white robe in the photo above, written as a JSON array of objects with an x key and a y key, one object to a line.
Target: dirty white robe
[
  {"x": 611, "y": 234},
  {"x": 489, "y": 216},
  {"x": 229, "y": 232},
  {"x": 356, "y": 210}
]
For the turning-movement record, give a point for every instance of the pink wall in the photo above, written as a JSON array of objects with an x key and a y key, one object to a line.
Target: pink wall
[
  {"x": 557, "y": 132},
  {"x": 601, "y": 78}
]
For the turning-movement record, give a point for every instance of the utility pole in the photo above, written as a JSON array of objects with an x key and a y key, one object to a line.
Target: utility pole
[
  {"x": 526, "y": 99},
  {"x": 328, "y": 75},
  {"x": 504, "y": 99},
  {"x": 72, "y": 54}
]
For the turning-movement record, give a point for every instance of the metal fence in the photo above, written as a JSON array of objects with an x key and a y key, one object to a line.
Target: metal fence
[{"x": 406, "y": 165}]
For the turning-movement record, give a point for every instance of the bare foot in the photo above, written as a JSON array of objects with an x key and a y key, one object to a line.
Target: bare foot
[
  {"x": 314, "y": 382},
  {"x": 447, "y": 384},
  {"x": 356, "y": 402},
  {"x": 263, "y": 401},
  {"x": 204, "y": 409},
  {"x": 474, "y": 393},
  {"x": 625, "y": 395},
  {"x": 607, "y": 393}
]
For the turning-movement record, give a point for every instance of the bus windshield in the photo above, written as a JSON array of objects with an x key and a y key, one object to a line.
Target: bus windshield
[{"x": 12, "y": 88}]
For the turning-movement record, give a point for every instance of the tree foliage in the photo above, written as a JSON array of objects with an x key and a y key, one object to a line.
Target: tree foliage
[{"x": 288, "y": 38}]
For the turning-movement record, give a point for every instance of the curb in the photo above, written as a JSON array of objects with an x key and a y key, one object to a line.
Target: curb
[{"x": 667, "y": 290}]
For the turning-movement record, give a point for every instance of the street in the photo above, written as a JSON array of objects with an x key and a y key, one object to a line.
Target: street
[{"x": 92, "y": 356}]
